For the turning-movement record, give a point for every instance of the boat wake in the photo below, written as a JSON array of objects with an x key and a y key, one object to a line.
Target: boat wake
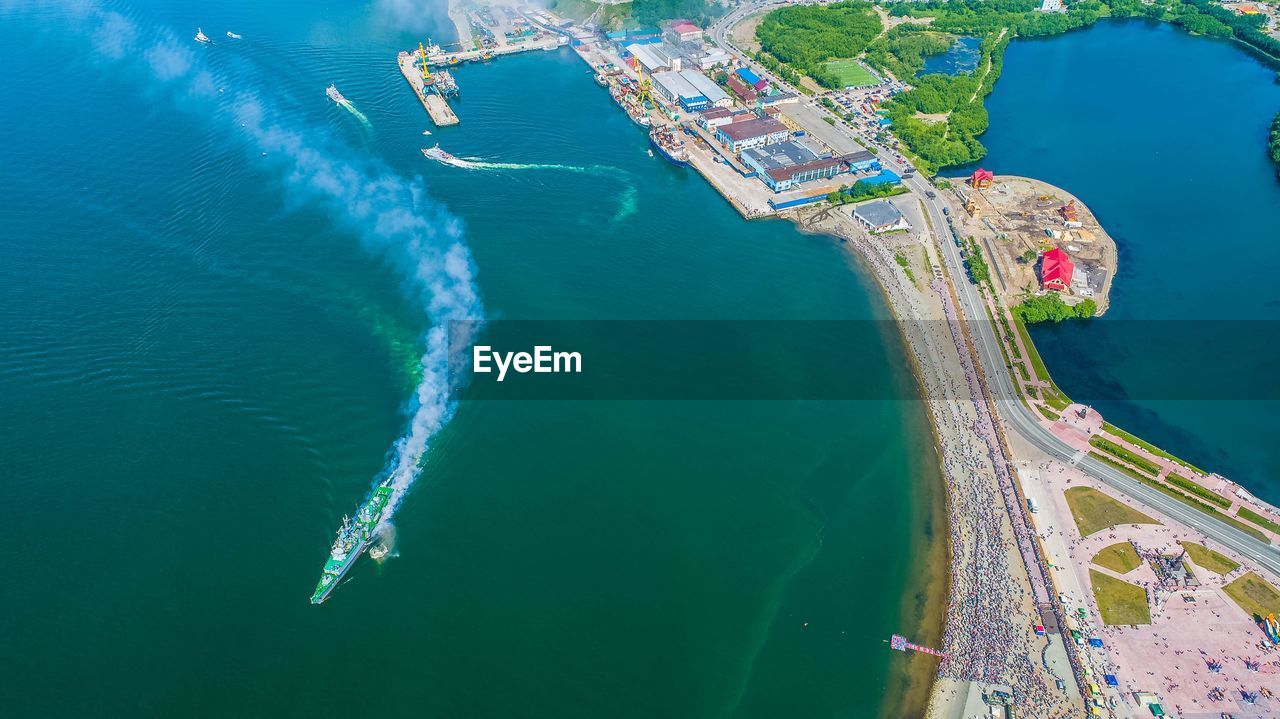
[
  {"x": 392, "y": 217},
  {"x": 346, "y": 105},
  {"x": 627, "y": 198}
]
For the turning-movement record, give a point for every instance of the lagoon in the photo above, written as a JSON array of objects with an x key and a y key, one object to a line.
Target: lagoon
[{"x": 1163, "y": 135}]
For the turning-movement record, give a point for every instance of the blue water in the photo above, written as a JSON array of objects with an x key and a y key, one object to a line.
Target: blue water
[
  {"x": 962, "y": 57},
  {"x": 207, "y": 355},
  {"x": 1163, "y": 135}
]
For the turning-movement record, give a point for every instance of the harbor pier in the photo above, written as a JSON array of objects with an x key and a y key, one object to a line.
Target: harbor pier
[{"x": 441, "y": 114}]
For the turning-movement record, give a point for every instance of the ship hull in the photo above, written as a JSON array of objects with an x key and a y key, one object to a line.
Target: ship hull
[
  {"x": 667, "y": 155},
  {"x": 320, "y": 596}
]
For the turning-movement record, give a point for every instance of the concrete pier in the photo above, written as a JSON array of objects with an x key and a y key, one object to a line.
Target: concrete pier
[{"x": 441, "y": 114}]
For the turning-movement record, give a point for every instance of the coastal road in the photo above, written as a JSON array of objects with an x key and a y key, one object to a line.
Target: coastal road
[{"x": 1017, "y": 417}]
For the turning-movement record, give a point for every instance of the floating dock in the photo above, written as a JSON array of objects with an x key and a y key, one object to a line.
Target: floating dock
[{"x": 441, "y": 114}]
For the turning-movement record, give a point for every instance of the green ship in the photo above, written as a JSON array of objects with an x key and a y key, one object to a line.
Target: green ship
[{"x": 354, "y": 537}]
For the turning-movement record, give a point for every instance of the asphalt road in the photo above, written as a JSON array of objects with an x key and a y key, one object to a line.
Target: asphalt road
[{"x": 1018, "y": 417}]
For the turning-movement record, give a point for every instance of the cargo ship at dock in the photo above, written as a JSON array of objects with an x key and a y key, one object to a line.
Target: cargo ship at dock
[
  {"x": 354, "y": 537},
  {"x": 664, "y": 140}
]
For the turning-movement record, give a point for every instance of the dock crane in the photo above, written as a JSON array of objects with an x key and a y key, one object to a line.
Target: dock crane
[{"x": 427, "y": 80}]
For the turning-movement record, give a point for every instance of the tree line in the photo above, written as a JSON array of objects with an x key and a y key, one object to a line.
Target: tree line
[{"x": 806, "y": 37}]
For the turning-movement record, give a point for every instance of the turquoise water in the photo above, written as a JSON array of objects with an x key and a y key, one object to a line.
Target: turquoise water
[
  {"x": 1163, "y": 135},
  {"x": 962, "y": 57},
  {"x": 206, "y": 356}
]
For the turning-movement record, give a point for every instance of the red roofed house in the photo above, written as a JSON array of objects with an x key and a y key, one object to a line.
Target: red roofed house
[
  {"x": 742, "y": 89},
  {"x": 1056, "y": 269},
  {"x": 683, "y": 31},
  {"x": 982, "y": 178}
]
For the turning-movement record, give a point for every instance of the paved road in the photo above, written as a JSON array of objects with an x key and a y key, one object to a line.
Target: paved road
[
  {"x": 1020, "y": 420},
  {"x": 1018, "y": 417}
]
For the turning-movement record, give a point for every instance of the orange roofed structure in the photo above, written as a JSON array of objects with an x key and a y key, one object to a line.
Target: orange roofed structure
[
  {"x": 1056, "y": 270},
  {"x": 982, "y": 178}
]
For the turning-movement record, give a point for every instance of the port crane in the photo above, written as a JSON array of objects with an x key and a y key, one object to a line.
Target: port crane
[{"x": 426, "y": 72}]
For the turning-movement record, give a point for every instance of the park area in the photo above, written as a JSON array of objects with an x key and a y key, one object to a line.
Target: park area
[
  {"x": 1095, "y": 511},
  {"x": 1208, "y": 559},
  {"x": 1119, "y": 602},
  {"x": 1120, "y": 558},
  {"x": 851, "y": 73},
  {"x": 1254, "y": 595}
]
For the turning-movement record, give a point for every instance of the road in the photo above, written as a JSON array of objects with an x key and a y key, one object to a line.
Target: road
[{"x": 1017, "y": 417}]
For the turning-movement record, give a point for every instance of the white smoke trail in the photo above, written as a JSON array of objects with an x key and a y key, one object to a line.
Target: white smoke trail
[{"x": 390, "y": 214}]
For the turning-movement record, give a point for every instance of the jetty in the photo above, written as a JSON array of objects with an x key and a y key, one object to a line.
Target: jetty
[{"x": 441, "y": 114}]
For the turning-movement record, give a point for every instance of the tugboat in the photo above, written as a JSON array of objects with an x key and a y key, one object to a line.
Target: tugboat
[
  {"x": 201, "y": 37},
  {"x": 669, "y": 146}
]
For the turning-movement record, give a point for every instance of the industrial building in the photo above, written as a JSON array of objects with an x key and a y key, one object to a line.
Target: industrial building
[
  {"x": 683, "y": 31},
  {"x": 746, "y": 134},
  {"x": 709, "y": 89},
  {"x": 708, "y": 58},
  {"x": 714, "y": 117},
  {"x": 742, "y": 89},
  {"x": 861, "y": 160},
  {"x": 679, "y": 87},
  {"x": 786, "y": 164},
  {"x": 751, "y": 79},
  {"x": 880, "y": 216},
  {"x": 654, "y": 58}
]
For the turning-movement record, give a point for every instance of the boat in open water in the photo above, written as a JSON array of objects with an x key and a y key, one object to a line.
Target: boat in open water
[
  {"x": 201, "y": 37},
  {"x": 354, "y": 537}
]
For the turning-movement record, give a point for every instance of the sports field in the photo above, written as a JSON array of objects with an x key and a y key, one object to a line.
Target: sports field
[{"x": 851, "y": 73}]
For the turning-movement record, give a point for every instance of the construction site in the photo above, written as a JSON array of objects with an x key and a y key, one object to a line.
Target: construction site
[{"x": 1039, "y": 238}]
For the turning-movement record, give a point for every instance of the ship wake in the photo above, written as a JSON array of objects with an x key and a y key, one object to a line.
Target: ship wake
[{"x": 391, "y": 216}]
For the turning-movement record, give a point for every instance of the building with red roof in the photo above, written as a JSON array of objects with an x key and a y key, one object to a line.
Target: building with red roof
[
  {"x": 1056, "y": 270},
  {"x": 982, "y": 178},
  {"x": 683, "y": 31}
]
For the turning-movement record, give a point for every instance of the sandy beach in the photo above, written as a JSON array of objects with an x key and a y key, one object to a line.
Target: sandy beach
[{"x": 992, "y": 608}]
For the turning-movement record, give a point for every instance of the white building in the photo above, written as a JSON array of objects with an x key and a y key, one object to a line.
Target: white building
[
  {"x": 708, "y": 88},
  {"x": 880, "y": 216}
]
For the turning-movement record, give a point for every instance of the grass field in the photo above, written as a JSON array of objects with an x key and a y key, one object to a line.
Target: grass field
[
  {"x": 1095, "y": 511},
  {"x": 1119, "y": 602},
  {"x": 851, "y": 73},
  {"x": 1255, "y": 596},
  {"x": 1208, "y": 559},
  {"x": 1258, "y": 519},
  {"x": 1120, "y": 558}
]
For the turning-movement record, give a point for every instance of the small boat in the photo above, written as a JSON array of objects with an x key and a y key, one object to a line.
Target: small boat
[
  {"x": 426, "y": 132},
  {"x": 232, "y": 35},
  {"x": 334, "y": 95},
  {"x": 435, "y": 153},
  {"x": 201, "y": 37}
]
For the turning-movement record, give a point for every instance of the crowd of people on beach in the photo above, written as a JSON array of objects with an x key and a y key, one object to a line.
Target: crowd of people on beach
[{"x": 988, "y": 637}]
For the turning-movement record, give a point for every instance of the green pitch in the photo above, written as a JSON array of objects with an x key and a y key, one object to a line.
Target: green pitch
[{"x": 851, "y": 73}]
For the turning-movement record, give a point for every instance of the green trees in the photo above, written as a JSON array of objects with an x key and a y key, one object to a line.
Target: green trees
[
  {"x": 653, "y": 12},
  {"x": 863, "y": 190},
  {"x": 979, "y": 272},
  {"x": 806, "y": 36},
  {"x": 1274, "y": 143},
  {"x": 1051, "y": 308}
]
